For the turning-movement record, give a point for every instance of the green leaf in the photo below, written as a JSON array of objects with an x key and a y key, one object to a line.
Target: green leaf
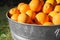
[{"x": 3, "y": 35}]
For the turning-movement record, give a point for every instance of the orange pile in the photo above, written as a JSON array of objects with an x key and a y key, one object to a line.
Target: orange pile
[{"x": 37, "y": 12}]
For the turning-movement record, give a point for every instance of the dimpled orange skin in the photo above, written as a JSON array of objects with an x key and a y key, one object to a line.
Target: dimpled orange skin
[
  {"x": 35, "y": 5},
  {"x": 56, "y": 19},
  {"x": 22, "y": 18},
  {"x": 19, "y": 5},
  {"x": 24, "y": 8},
  {"x": 31, "y": 14},
  {"x": 57, "y": 8},
  {"x": 14, "y": 11},
  {"x": 48, "y": 23},
  {"x": 47, "y": 8},
  {"x": 14, "y": 17},
  {"x": 41, "y": 17}
]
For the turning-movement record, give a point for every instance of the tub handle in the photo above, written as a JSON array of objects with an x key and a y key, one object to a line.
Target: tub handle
[{"x": 57, "y": 32}]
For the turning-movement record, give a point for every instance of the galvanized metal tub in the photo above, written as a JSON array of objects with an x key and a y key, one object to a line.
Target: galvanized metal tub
[{"x": 23, "y": 31}]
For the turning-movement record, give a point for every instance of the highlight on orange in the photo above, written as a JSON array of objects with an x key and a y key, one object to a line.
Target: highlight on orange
[
  {"x": 31, "y": 14},
  {"x": 57, "y": 8},
  {"x": 48, "y": 24},
  {"x": 14, "y": 11},
  {"x": 36, "y": 5},
  {"x": 56, "y": 19},
  {"x": 53, "y": 13},
  {"x": 58, "y": 1},
  {"x": 14, "y": 17},
  {"x": 24, "y": 8},
  {"x": 22, "y": 18},
  {"x": 19, "y": 5},
  {"x": 47, "y": 8},
  {"x": 42, "y": 17}
]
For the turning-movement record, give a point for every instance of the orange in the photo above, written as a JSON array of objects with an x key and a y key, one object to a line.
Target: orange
[
  {"x": 58, "y": 1},
  {"x": 56, "y": 19},
  {"x": 40, "y": 0},
  {"x": 37, "y": 22},
  {"x": 14, "y": 11},
  {"x": 22, "y": 18},
  {"x": 53, "y": 2},
  {"x": 41, "y": 17},
  {"x": 24, "y": 8},
  {"x": 57, "y": 8},
  {"x": 50, "y": 1},
  {"x": 14, "y": 17},
  {"x": 47, "y": 8},
  {"x": 31, "y": 14},
  {"x": 19, "y": 5},
  {"x": 36, "y": 5},
  {"x": 29, "y": 21},
  {"x": 48, "y": 23},
  {"x": 53, "y": 13}
]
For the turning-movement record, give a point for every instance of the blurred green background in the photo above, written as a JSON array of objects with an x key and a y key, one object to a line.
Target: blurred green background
[
  {"x": 4, "y": 27},
  {"x": 5, "y": 5}
]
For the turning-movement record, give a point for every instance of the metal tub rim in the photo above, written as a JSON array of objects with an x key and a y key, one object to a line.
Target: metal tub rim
[{"x": 30, "y": 24}]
